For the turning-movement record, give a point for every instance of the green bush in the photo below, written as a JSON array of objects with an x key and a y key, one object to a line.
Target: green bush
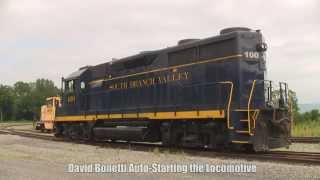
[{"x": 306, "y": 124}]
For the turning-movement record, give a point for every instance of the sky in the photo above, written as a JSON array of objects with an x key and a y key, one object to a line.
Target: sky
[{"x": 51, "y": 39}]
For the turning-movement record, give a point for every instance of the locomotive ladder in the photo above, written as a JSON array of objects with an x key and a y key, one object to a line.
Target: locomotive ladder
[{"x": 247, "y": 117}]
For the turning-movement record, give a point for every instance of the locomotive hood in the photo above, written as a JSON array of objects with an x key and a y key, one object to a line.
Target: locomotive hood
[{"x": 77, "y": 74}]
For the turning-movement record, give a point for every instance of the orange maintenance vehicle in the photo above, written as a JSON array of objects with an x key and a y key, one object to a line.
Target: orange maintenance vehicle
[{"x": 48, "y": 113}]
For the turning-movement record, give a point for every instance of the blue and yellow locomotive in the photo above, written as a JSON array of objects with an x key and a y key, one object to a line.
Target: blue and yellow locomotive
[{"x": 209, "y": 93}]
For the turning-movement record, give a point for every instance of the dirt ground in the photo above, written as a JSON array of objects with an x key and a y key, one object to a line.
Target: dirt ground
[{"x": 27, "y": 158}]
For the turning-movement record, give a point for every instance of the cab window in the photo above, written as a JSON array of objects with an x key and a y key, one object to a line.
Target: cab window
[
  {"x": 82, "y": 85},
  {"x": 57, "y": 103},
  {"x": 49, "y": 103},
  {"x": 70, "y": 86}
]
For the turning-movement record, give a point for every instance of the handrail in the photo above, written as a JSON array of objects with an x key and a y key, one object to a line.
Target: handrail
[
  {"x": 255, "y": 116},
  {"x": 249, "y": 103},
  {"x": 229, "y": 102},
  {"x": 291, "y": 112}
]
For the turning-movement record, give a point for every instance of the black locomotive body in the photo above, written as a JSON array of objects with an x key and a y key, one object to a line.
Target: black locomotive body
[{"x": 201, "y": 93}]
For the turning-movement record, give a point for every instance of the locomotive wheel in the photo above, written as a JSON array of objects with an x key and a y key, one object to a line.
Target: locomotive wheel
[
  {"x": 58, "y": 130},
  {"x": 74, "y": 132},
  {"x": 166, "y": 135},
  {"x": 86, "y": 133}
]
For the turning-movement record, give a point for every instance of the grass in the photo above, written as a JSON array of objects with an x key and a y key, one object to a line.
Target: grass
[
  {"x": 306, "y": 129},
  {"x": 14, "y": 123}
]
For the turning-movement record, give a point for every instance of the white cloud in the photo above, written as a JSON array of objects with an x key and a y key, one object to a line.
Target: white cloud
[{"x": 43, "y": 38}]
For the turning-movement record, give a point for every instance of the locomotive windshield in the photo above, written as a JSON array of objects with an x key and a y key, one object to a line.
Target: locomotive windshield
[
  {"x": 49, "y": 102},
  {"x": 70, "y": 86}
]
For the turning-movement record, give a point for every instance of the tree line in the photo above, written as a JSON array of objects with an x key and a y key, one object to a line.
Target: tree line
[
  {"x": 313, "y": 115},
  {"x": 305, "y": 117},
  {"x": 23, "y": 100}
]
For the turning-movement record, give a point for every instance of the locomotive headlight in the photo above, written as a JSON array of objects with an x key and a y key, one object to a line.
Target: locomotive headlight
[{"x": 262, "y": 47}]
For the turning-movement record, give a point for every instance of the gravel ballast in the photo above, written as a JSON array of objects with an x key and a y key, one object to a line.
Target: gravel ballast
[{"x": 27, "y": 158}]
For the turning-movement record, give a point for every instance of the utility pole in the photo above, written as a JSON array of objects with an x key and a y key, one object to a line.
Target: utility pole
[{"x": 1, "y": 115}]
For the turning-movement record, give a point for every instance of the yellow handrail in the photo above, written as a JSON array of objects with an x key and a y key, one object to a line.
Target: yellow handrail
[
  {"x": 229, "y": 103},
  {"x": 249, "y": 103},
  {"x": 290, "y": 111},
  {"x": 255, "y": 116}
]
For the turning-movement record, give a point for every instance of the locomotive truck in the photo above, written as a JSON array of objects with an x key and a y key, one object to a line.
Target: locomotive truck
[{"x": 208, "y": 93}]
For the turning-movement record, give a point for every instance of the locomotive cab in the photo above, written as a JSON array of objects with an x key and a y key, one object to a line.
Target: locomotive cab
[{"x": 73, "y": 91}]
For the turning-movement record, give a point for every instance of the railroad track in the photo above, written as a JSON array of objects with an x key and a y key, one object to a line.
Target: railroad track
[
  {"x": 303, "y": 157},
  {"x": 283, "y": 156},
  {"x": 305, "y": 139}
]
